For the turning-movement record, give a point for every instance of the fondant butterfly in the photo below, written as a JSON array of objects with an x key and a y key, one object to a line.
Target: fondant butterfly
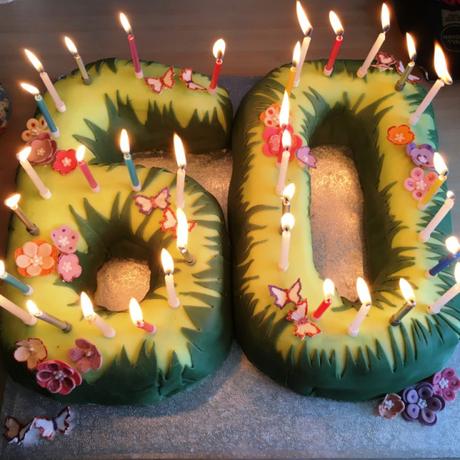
[
  {"x": 157, "y": 84},
  {"x": 303, "y": 327},
  {"x": 38, "y": 427},
  {"x": 147, "y": 204},
  {"x": 169, "y": 222},
  {"x": 186, "y": 77},
  {"x": 285, "y": 296}
]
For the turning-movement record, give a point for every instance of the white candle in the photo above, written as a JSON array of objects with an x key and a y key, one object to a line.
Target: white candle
[
  {"x": 306, "y": 30},
  {"x": 12, "y": 308},
  {"x": 182, "y": 237},
  {"x": 181, "y": 165},
  {"x": 58, "y": 102},
  {"x": 449, "y": 294},
  {"x": 94, "y": 318},
  {"x": 286, "y": 197},
  {"x": 286, "y": 141},
  {"x": 444, "y": 78},
  {"x": 365, "y": 299},
  {"x": 23, "y": 156},
  {"x": 81, "y": 66},
  {"x": 385, "y": 18},
  {"x": 168, "y": 268},
  {"x": 287, "y": 224},
  {"x": 438, "y": 217}
]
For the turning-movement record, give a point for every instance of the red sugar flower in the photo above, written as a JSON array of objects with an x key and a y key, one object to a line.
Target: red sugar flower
[
  {"x": 272, "y": 142},
  {"x": 85, "y": 356},
  {"x": 57, "y": 377},
  {"x": 65, "y": 161}
]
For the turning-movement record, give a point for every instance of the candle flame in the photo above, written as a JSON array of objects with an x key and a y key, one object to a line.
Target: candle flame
[
  {"x": 124, "y": 141},
  {"x": 286, "y": 139},
  {"x": 452, "y": 244},
  {"x": 182, "y": 229},
  {"x": 335, "y": 23},
  {"x": 24, "y": 153},
  {"x": 30, "y": 88},
  {"x": 13, "y": 201},
  {"x": 218, "y": 49},
  {"x": 385, "y": 17},
  {"x": 287, "y": 221},
  {"x": 296, "y": 54},
  {"x": 303, "y": 19},
  {"x": 125, "y": 23},
  {"x": 80, "y": 153},
  {"x": 288, "y": 192},
  {"x": 34, "y": 60},
  {"x": 135, "y": 311},
  {"x": 439, "y": 164},
  {"x": 167, "y": 262},
  {"x": 450, "y": 194},
  {"x": 284, "y": 111},
  {"x": 70, "y": 45},
  {"x": 411, "y": 47},
  {"x": 363, "y": 291},
  {"x": 179, "y": 151},
  {"x": 86, "y": 305},
  {"x": 440, "y": 65},
  {"x": 457, "y": 272},
  {"x": 32, "y": 308},
  {"x": 2, "y": 268},
  {"x": 407, "y": 291},
  {"x": 328, "y": 288}
]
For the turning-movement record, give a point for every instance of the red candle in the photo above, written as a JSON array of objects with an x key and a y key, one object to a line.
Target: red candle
[
  {"x": 338, "y": 30},
  {"x": 328, "y": 288},
  {"x": 138, "y": 319},
  {"x": 132, "y": 45},
  {"x": 218, "y": 50},
  {"x": 84, "y": 168}
]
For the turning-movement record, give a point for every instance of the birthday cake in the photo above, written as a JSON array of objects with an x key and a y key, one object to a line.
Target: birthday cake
[
  {"x": 101, "y": 238},
  {"x": 326, "y": 343}
]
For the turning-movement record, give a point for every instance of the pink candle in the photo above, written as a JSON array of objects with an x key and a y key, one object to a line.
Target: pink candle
[
  {"x": 218, "y": 50},
  {"x": 84, "y": 168},
  {"x": 132, "y": 45},
  {"x": 328, "y": 288},
  {"x": 137, "y": 317},
  {"x": 338, "y": 30}
]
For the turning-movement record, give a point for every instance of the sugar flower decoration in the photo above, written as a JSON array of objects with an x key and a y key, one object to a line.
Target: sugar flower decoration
[
  {"x": 384, "y": 61},
  {"x": 422, "y": 404},
  {"x": 31, "y": 352},
  {"x": 65, "y": 161},
  {"x": 65, "y": 239},
  {"x": 270, "y": 116},
  {"x": 35, "y": 127},
  {"x": 36, "y": 258},
  {"x": 272, "y": 142},
  {"x": 418, "y": 183},
  {"x": 400, "y": 135},
  {"x": 421, "y": 155},
  {"x": 69, "y": 267},
  {"x": 57, "y": 377},
  {"x": 43, "y": 149},
  {"x": 446, "y": 384},
  {"x": 391, "y": 406},
  {"x": 85, "y": 356}
]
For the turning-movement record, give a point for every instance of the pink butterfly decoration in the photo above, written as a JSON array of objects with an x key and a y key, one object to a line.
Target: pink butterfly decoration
[
  {"x": 285, "y": 296},
  {"x": 303, "y": 327},
  {"x": 169, "y": 222},
  {"x": 157, "y": 84},
  {"x": 147, "y": 204},
  {"x": 186, "y": 77}
]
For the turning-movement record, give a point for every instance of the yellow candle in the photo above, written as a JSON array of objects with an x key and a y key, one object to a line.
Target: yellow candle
[{"x": 441, "y": 168}]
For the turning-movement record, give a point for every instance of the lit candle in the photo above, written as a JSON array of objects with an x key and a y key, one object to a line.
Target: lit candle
[
  {"x": 84, "y": 168},
  {"x": 306, "y": 30},
  {"x": 438, "y": 217},
  {"x": 284, "y": 111},
  {"x": 93, "y": 318},
  {"x": 410, "y": 66},
  {"x": 448, "y": 295},
  {"x": 182, "y": 237},
  {"x": 365, "y": 299},
  {"x": 132, "y": 45},
  {"x": 287, "y": 224},
  {"x": 137, "y": 317},
  {"x": 12, "y": 308},
  {"x": 385, "y": 18},
  {"x": 338, "y": 30},
  {"x": 23, "y": 156},
  {"x": 26, "y": 289},
  {"x": 286, "y": 197},
  {"x": 125, "y": 149},
  {"x": 218, "y": 50},
  {"x": 293, "y": 68},
  {"x": 81, "y": 66},
  {"x": 12, "y": 202},
  {"x": 409, "y": 297},
  {"x": 453, "y": 246},
  {"x": 41, "y": 104},
  {"x": 32, "y": 308},
  {"x": 328, "y": 290},
  {"x": 286, "y": 156},
  {"x": 168, "y": 268},
  {"x": 46, "y": 80},
  {"x": 442, "y": 171},
  {"x": 444, "y": 78},
  {"x": 181, "y": 161}
]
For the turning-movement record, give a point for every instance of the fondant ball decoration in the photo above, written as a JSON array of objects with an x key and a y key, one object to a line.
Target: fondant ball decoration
[
  {"x": 273, "y": 310},
  {"x": 81, "y": 231},
  {"x": 4, "y": 109}
]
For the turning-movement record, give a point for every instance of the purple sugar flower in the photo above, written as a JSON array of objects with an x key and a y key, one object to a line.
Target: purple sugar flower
[
  {"x": 421, "y": 155},
  {"x": 422, "y": 404}
]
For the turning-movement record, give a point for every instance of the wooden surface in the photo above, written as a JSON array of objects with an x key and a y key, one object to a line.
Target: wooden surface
[{"x": 260, "y": 35}]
